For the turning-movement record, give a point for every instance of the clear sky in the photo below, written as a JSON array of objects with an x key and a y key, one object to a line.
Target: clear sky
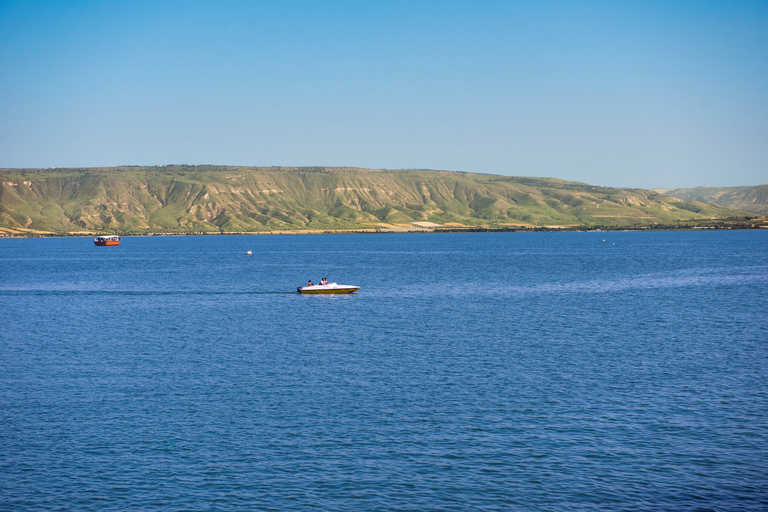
[{"x": 634, "y": 94}]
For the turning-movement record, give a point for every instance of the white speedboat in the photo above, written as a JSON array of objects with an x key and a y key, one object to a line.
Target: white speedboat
[{"x": 328, "y": 288}]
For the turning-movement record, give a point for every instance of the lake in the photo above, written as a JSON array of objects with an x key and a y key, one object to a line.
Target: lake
[{"x": 473, "y": 371}]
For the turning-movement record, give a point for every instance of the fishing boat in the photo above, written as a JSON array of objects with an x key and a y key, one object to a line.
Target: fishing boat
[
  {"x": 328, "y": 288},
  {"x": 107, "y": 240}
]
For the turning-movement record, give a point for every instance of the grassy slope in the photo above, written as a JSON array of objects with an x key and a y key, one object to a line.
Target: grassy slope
[
  {"x": 750, "y": 199},
  {"x": 211, "y": 198}
]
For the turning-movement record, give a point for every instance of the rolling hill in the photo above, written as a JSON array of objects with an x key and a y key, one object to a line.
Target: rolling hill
[
  {"x": 195, "y": 199},
  {"x": 750, "y": 199}
]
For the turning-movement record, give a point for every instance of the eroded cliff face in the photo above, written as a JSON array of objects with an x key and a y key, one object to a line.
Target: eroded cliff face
[{"x": 210, "y": 199}]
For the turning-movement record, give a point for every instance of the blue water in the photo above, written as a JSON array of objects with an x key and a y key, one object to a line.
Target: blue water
[{"x": 552, "y": 371}]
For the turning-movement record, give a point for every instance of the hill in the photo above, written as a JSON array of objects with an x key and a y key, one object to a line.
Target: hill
[
  {"x": 750, "y": 199},
  {"x": 193, "y": 199}
]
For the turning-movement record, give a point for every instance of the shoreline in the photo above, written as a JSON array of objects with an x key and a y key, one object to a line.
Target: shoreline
[{"x": 721, "y": 224}]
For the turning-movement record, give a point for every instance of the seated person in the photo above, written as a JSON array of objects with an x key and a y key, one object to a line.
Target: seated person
[
  {"x": 309, "y": 283},
  {"x": 323, "y": 281}
]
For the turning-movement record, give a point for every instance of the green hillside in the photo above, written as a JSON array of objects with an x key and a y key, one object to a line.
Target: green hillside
[
  {"x": 750, "y": 199},
  {"x": 185, "y": 199}
]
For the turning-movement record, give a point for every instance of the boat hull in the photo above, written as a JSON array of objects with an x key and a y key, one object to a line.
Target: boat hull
[
  {"x": 103, "y": 243},
  {"x": 323, "y": 289}
]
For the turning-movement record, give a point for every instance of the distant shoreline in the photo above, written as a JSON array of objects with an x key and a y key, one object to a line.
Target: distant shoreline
[{"x": 724, "y": 224}]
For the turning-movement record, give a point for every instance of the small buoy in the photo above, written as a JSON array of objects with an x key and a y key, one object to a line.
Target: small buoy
[{"x": 249, "y": 252}]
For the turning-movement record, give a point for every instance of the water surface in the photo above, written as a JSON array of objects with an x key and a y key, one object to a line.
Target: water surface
[{"x": 552, "y": 371}]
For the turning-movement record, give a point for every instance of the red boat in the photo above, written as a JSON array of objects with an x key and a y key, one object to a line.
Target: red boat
[{"x": 107, "y": 240}]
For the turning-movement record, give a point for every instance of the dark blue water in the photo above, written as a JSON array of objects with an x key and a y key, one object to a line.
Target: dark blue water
[{"x": 555, "y": 371}]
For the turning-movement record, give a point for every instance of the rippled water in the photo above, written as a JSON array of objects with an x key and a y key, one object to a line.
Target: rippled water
[{"x": 553, "y": 371}]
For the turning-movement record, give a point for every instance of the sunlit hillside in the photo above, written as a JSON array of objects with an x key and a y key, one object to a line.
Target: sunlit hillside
[
  {"x": 750, "y": 199},
  {"x": 245, "y": 199}
]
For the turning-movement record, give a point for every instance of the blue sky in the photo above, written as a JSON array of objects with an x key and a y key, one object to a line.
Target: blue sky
[{"x": 634, "y": 94}]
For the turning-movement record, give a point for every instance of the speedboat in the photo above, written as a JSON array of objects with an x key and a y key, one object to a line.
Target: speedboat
[{"x": 328, "y": 288}]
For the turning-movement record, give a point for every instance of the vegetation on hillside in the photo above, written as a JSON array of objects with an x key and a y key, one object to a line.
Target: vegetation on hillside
[
  {"x": 184, "y": 199},
  {"x": 750, "y": 199}
]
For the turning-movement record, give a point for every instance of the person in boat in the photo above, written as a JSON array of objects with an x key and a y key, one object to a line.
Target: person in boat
[
  {"x": 324, "y": 281},
  {"x": 309, "y": 283}
]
